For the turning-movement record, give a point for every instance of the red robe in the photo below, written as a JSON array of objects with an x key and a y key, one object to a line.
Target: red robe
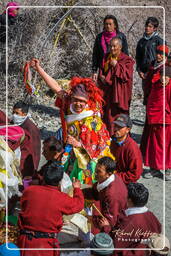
[
  {"x": 148, "y": 80},
  {"x": 113, "y": 201},
  {"x": 3, "y": 118},
  {"x": 42, "y": 208},
  {"x": 153, "y": 152},
  {"x": 132, "y": 229},
  {"x": 117, "y": 88},
  {"x": 128, "y": 160},
  {"x": 26, "y": 161},
  {"x": 34, "y": 132}
]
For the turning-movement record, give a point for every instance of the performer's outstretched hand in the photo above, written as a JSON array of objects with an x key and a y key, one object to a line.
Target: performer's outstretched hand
[
  {"x": 75, "y": 143},
  {"x": 76, "y": 183},
  {"x": 35, "y": 63}
]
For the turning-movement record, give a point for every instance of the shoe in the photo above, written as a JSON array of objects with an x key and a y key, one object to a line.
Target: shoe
[
  {"x": 152, "y": 173},
  {"x": 148, "y": 175},
  {"x": 168, "y": 175}
]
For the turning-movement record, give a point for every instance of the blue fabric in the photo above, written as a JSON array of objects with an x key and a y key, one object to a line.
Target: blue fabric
[
  {"x": 59, "y": 134},
  {"x": 7, "y": 252},
  {"x": 120, "y": 143}
]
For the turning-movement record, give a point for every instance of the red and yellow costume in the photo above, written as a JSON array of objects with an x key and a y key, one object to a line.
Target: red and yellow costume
[{"x": 87, "y": 127}]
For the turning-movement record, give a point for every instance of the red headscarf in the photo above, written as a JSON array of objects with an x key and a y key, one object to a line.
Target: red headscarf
[
  {"x": 13, "y": 6},
  {"x": 163, "y": 49}
]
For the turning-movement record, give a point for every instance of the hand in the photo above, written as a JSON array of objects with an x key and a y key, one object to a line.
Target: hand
[
  {"x": 35, "y": 63},
  {"x": 35, "y": 182},
  {"x": 75, "y": 143},
  {"x": 102, "y": 78},
  {"x": 165, "y": 80},
  {"x": 141, "y": 75},
  {"x": 104, "y": 222},
  {"x": 76, "y": 183},
  {"x": 113, "y": 63},
  {"x": 94, "y": 77}
]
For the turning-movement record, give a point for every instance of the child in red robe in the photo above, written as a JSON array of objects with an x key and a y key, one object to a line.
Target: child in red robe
[
  {"x": 110, "y": 191},
  {"x": 139, "y": 223}
]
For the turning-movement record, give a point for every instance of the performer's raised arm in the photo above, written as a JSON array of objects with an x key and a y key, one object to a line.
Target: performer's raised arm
[{"x": 51, "y": 82}]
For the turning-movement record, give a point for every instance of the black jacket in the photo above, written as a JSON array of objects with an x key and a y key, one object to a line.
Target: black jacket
[
  {"x": 98, "y": 53},
  {"x": 11, "y": 21},
  {"x": 146, "y": 52}
]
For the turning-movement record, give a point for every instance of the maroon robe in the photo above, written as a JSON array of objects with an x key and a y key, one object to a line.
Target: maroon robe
[
  {"x": 113, "y": 201},
  {"x": 132, "y": 230},
  {"x": 153, "y": 71},
  {"x": 153, "y": 149},
  {"x": 128, "y": 160},
  {"x": 117, "y": 88},
  {"x": 3, "y": 118},
  {"x": 26, "y": 161},
  {"x": 34, "y": 132},
  {"x": 42, "y": 208}
]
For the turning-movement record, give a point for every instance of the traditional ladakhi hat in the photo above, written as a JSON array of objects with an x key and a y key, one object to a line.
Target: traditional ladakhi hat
[
  {"x": 80, "y": 91},
  {"x": 157, "y": 241},
  {"x": 103, "y": 243},
  {"x": 4, "y": 251},
  {"x": 163, "y": 49}
]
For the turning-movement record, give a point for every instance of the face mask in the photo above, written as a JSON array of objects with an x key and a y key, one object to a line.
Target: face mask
[{"x": 18, "y": 119}]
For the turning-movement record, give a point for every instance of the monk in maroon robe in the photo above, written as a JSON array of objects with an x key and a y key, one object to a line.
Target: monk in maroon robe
[
  {"x": 110, "y": 191},
  {"x": 115, "y": 79},
  {"x": 154, "y": 72},
  {"x": 42, "y": 208},
  {"x": 20, "y": 117},
  {"x": 126, "y": 150},
  {"x": 154, "y": 153},
  {"x": 138, "y": 224}
]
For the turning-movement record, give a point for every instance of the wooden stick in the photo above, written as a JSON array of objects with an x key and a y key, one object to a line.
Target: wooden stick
[{"x": 98, "y": 210}]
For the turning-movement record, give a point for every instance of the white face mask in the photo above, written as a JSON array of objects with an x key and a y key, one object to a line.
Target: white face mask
[{"x": 18, "y": 120}]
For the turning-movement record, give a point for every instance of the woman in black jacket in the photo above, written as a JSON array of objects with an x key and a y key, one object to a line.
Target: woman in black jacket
[{"x": 101, "y": 44}]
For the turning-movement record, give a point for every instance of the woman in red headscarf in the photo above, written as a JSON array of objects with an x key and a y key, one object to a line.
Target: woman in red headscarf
[{"x": 82, "y": 127}]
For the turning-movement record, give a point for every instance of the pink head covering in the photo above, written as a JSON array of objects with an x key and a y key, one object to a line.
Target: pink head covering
[
  {"x": 106, "y": 38},
  {"x": 13, "y": 6}
]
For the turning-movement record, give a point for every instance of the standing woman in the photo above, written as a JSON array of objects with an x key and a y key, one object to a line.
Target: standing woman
[{"x": 101, "y": 45}]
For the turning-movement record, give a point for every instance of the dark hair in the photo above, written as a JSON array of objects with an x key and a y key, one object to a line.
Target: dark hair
[
  {"x": 153, "y": 20},
  {"x": 108, "y": 162},
  {"x": 54, "y": 144},
  {"x": 53, "y": 173},
  {"x": 112, "y": 17},
  {"x": 138, "y": 194},
  {"x": 22, "y": 105}
]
